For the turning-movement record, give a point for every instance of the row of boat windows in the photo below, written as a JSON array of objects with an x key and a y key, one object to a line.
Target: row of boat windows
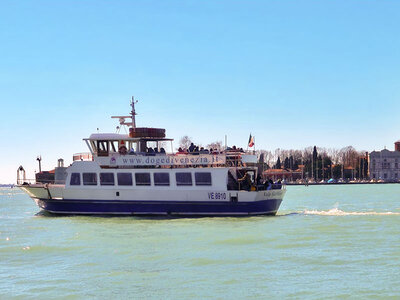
[{"x": 126, "y": 179}]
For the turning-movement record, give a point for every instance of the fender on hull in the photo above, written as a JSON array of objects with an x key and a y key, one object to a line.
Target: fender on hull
[{"x": 109, "y": 207}]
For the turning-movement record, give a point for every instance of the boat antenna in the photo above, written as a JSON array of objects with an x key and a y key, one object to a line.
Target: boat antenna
[
  {"x": 132, "y": 116},
  {"x": 39, "y": 159},
  {"x": 133, "y": 112}
]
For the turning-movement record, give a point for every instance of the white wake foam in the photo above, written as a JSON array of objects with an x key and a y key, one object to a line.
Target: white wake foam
[{"x": 337, "y": 212}]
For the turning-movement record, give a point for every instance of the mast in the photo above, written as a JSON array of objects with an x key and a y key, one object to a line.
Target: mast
[
  {"x": 39, "y": 159},
  {"x": 132, "y": 116},
  {"x": 133, "y": 112}
]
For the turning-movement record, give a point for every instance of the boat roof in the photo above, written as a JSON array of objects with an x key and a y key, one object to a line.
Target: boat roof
[
  {"x": 118, "y": 137},
  {"x": 107, "y": 136}
]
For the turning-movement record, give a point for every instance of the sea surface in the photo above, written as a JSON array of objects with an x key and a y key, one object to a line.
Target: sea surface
[{"x": 327, "y": 242}]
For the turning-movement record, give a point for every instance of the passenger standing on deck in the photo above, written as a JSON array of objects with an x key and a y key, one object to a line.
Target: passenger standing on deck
[
  {"x": 245, "y": 182},
  {"x": 278, "y": 184},
  {"x": 196, "y": 150},
  {"x": 259, "y": 180},
  {"x": 122, "y": 148}
]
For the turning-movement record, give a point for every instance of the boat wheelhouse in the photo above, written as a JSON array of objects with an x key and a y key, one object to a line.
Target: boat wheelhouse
[{"x": 134, "y": 174}]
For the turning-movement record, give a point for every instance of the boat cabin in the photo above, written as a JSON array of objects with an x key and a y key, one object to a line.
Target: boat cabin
[{"x": 106, "y": 144}]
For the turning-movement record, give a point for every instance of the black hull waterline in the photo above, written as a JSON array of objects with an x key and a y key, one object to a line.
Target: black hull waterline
[{"x": 112, "y": 207}]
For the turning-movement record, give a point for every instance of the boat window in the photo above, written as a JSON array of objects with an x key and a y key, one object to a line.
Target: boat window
[
  {"x": 112, "y": 146},
  {"x": 89, "y": 178},
  {"x": 203, "y": 178},
  {"x": 102, "y": 148},
  {"x": 106, "y": 178},
  {"x": 161, "y": 179},
  {"x": 142, "y": 178},
  {"x": 124, "y": 178},
  {"x": 75, "y": 179},
  {"x": 183, "y": 178},
  {"x": 93, "y": 144}
]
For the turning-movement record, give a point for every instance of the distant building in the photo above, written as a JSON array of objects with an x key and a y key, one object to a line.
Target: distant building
[
  {"x": 385, "y": 164},
  {"x": 349, "y": 172},
  {"x": 276, "y": 174}
]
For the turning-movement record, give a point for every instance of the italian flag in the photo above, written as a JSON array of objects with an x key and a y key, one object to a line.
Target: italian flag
[{"x": 251, "y": 141}]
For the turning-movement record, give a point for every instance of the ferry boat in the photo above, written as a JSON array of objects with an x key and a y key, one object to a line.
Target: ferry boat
[{"x": 132, "y": 174}]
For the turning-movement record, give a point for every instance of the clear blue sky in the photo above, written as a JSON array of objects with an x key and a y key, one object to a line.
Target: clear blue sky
[{"x": 293, "y": 73}]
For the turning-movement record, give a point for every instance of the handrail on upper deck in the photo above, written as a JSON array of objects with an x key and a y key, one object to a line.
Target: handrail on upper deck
[{"x": 26, "y": 181}]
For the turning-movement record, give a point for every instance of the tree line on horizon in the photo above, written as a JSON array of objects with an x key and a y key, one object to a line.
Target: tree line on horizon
[
  {"x": 318, "y": 162},
  {"x": 314, "y": 162}
]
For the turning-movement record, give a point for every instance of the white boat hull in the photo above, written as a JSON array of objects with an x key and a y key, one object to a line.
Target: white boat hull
[{"x": 158, "y": 202}]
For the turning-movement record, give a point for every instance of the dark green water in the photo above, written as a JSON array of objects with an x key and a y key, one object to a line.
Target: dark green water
[{"x": 327, "y": 242}]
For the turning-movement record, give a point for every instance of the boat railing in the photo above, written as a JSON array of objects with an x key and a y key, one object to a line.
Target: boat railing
[
  {"x": 231, "y": 155},
  {"x": 41, "y": 182},
  {"x": 25, "y": 181},
  {"x": 261, "y": 187}
]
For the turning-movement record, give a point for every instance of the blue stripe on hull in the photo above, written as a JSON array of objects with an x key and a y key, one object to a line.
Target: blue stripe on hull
[{"x": 267, "y": 207}]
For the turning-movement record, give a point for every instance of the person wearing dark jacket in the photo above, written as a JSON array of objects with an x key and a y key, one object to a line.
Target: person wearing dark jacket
[{"x": 245, "y": 182}]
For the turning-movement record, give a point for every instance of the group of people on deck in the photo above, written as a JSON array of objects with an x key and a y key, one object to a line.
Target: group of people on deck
[
  {"x": 234, "y": 149},
  {"x": 192, "y": 149},
  {"x": 195, "y": 150},
  {"x": 149, "y": 151},
  {"x": 246, "y": 183},
  {"x": 153, "y": 152}
]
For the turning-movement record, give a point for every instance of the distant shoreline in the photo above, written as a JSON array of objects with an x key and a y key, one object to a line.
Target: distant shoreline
[{"x": 7, "y": 185}]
